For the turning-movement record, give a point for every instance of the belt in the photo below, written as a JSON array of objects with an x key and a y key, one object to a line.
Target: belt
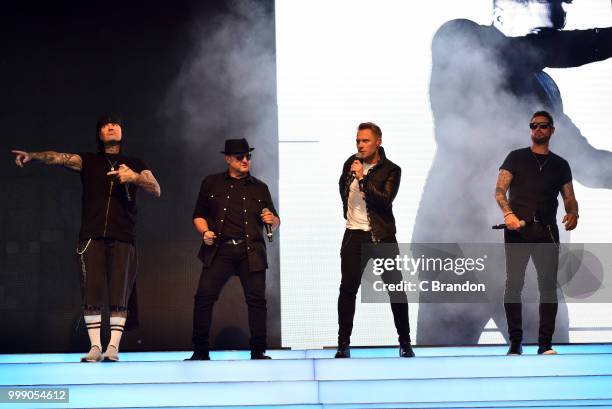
[{"x": 234, "y": 242}]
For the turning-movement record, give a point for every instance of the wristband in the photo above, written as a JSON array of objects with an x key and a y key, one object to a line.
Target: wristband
[{"x": 507, "y": 214}]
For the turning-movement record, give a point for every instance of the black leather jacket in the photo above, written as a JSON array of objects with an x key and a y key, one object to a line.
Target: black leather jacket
[{"x": 380, "y": 186}]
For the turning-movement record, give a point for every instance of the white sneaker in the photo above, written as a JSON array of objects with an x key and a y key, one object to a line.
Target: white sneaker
[
  {"x": 111, "y": 354},
  {"x": 94, "y": 355}
]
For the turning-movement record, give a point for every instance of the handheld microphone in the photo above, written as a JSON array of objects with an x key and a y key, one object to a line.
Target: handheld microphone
[
  {"x": 268, "y": 226},
  {"x": 358, "y": 157},
  {"x": 127, "y": 189},
  {"x": 522, "y": 223}
]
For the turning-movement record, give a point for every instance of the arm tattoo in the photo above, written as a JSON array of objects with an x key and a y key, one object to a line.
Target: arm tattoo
[
  {"x": 72, "y": 161},
  {"x": 147, "y": 181},
  {"x": 503, "y": 183},
  {"x": 46, "y": 157},
  {"x": 69, "y": 160},
  {"x": 569, "y": 199}
]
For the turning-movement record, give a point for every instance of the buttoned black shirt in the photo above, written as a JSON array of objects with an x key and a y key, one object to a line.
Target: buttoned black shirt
[
  {"x": 213, "y": 205},
  {"x": 233, "y": 226}
]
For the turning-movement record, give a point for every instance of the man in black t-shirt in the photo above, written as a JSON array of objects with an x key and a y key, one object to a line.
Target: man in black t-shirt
[
  {"x": 230, "y": 213},
  {"x": 485, "y": 79},
  {"x": 107, "y": 255},
  {"x": 534, "y": 176}
]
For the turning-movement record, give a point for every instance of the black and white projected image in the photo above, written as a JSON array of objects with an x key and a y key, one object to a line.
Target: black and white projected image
[
  {"x": 453, "y": 86},
  {"x": 486, "y": 81}
]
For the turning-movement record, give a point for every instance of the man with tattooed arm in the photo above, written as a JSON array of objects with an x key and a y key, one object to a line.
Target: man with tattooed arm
[
  {"x": 106, "y": 251},
  {"x": 534, "y": 177}
]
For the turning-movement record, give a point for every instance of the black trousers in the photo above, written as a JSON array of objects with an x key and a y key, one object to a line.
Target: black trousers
[
  {"x": 107, "y": 264},
  {"x": 539, "y": 242},
  {"x": 352, "y": 270},
  {"x": 230, "y": 260}
]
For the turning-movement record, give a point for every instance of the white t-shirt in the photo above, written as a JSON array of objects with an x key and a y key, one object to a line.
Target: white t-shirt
[{"x": 357, "y": 215}]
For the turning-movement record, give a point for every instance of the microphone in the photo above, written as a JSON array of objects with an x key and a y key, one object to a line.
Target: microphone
[
  {"x": 115, "y": 178},
  {"x": 268, "y": 226},
  {"x": 358, "y": 157},
  {"x": 522, "y": 223},
  {"x": 128, "y": 196}
]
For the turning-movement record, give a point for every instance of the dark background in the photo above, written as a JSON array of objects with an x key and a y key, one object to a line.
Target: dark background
[{"x": 182, "y": 75}]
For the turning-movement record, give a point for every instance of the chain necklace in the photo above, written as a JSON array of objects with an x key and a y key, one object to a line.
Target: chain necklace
[
  {"x": 540, "y": 164},
  {"x": 112, "y": 164}
]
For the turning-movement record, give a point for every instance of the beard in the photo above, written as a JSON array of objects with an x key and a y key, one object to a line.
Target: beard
[{"x": 542, "y": 140}]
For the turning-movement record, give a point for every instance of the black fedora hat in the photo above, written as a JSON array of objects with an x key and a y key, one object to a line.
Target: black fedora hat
[{"x": 236, "y": 146}]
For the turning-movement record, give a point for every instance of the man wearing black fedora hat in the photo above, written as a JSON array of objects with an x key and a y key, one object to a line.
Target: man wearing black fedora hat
[
  {"x": 231, "y": 211},
  {"x": 106, "y": 251}
]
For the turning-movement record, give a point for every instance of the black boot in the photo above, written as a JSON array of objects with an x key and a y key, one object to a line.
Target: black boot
[
  {"x": 405, "y": 350},
  {"x": 199, "y": 356},
  {"x": 546, "y": 349},
  {"x": 344, "y": 350},
  {"x": 259, "y": 355},
  {"x": 515, "y": 348}
]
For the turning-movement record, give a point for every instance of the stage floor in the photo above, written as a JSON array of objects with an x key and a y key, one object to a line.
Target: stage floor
[{"x": 458, "y": 377}]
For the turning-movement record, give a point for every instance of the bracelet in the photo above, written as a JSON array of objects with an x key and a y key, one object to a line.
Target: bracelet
[{"x": 507, "y": 214}]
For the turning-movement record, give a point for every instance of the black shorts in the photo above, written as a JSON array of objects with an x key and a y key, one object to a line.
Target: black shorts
[{"x": 107, "y": 266}]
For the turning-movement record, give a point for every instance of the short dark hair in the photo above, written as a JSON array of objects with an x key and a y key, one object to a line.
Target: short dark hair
[
  {"x": 544, "y": 113},
  {"x": 372, "y": 127}
]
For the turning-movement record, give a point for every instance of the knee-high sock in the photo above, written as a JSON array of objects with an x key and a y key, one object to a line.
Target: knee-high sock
[
  {"x": 93, "y": 323},
  {"x": 116, "y": 326}
]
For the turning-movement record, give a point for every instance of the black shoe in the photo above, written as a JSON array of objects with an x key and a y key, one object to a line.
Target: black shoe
[
  {"x": 546, "y": 350},
  {"x": 515, "y": 349},
  {"x": 344, "y": 350},
  {"x": 199, "y": 356},
  {"x": 259, "y": 355},
  {"x": 405, "y": 350}
]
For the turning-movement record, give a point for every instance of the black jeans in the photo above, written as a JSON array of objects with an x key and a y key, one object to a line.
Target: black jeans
[
  {"x": 539, "y": 242},
  {"x": 352, "y": 270},
  {"x": 230, "y": 260}
]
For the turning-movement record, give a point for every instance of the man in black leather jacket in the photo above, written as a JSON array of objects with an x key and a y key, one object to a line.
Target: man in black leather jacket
[{"x": 368, "y": 184}]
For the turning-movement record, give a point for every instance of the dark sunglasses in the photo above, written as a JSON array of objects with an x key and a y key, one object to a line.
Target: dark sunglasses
[
  {"x": 541, "y": 125},
  {"x": 240, "y": 156}
]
